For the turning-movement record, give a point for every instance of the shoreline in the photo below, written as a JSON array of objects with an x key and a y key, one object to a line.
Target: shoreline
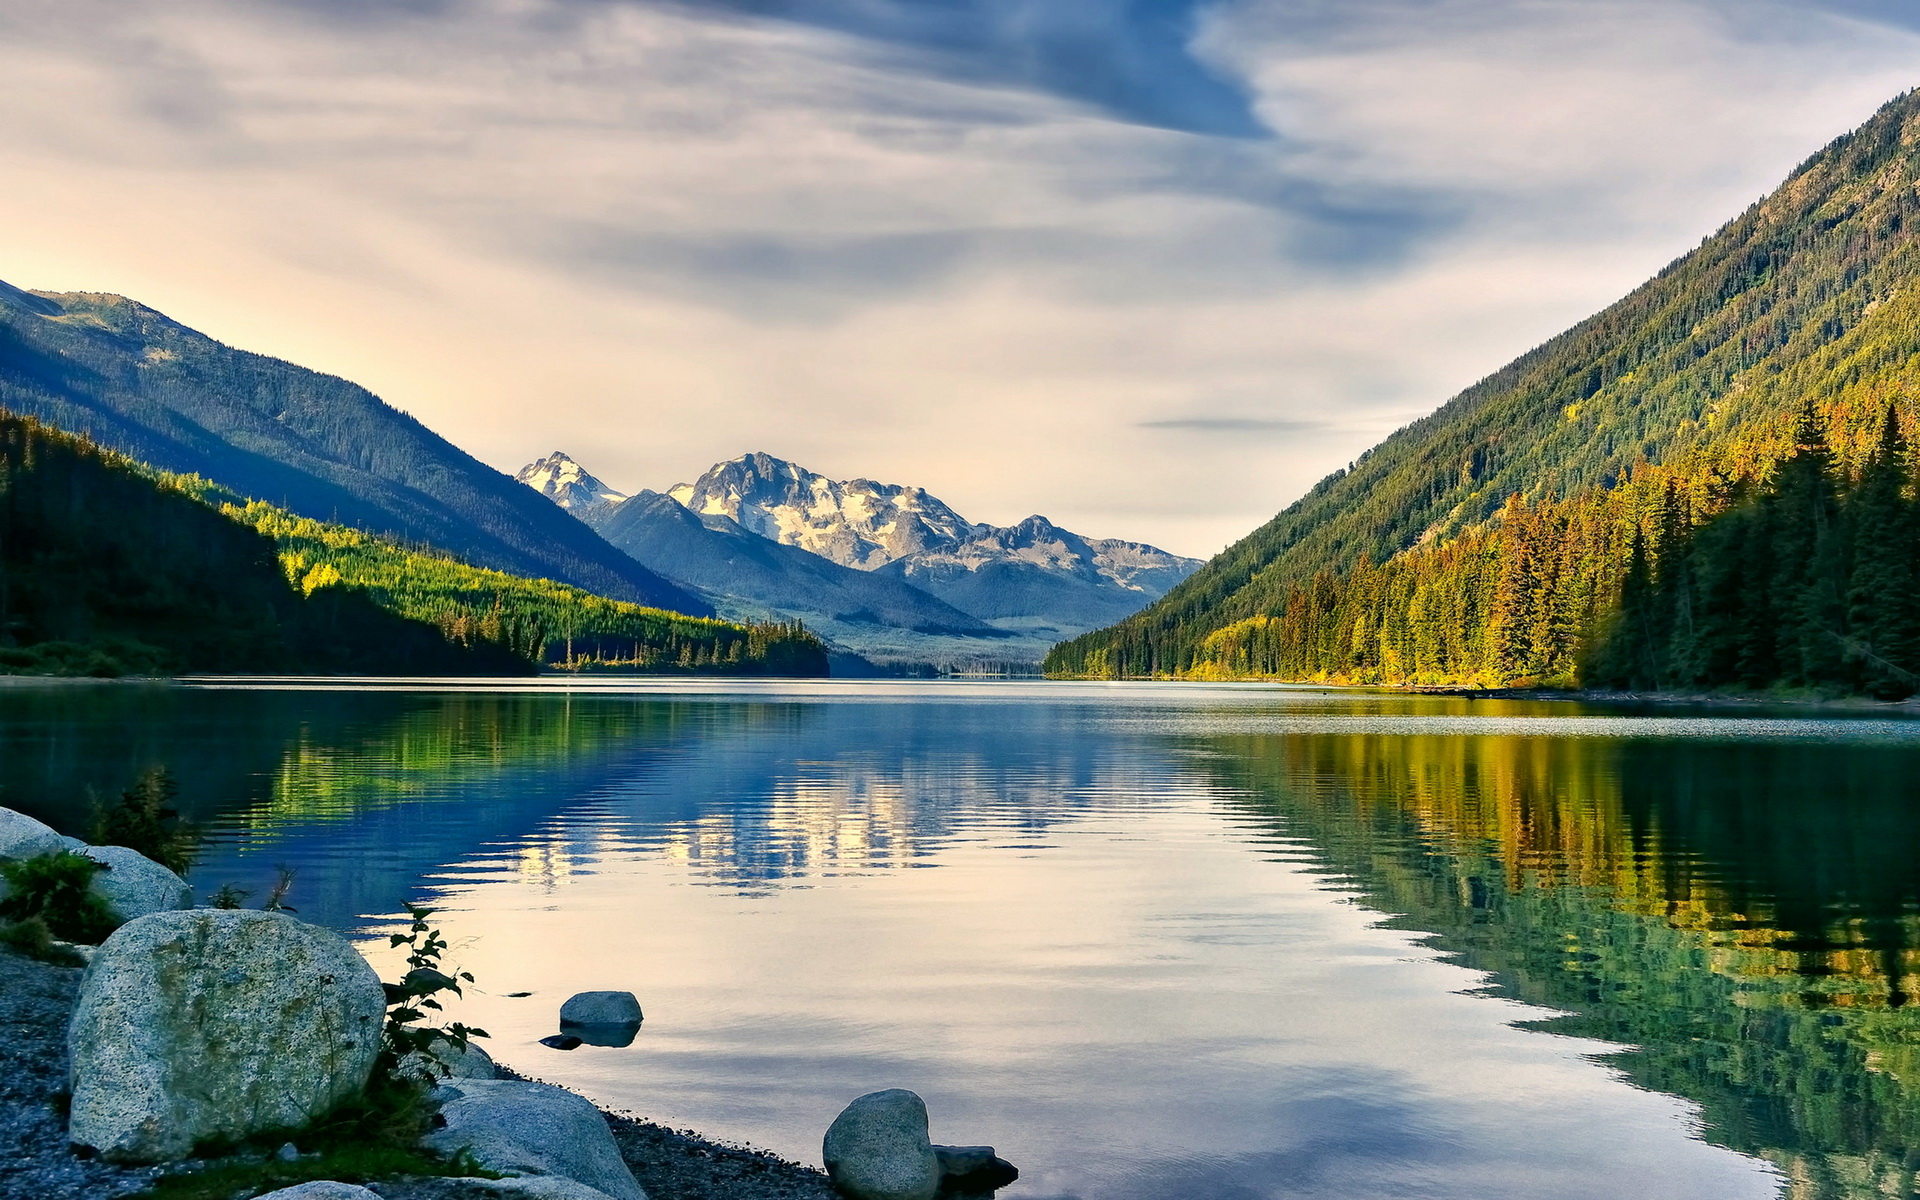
[{"x": 36, "y": 999}]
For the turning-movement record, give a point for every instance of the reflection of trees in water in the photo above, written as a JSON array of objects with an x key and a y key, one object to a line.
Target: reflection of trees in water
[{"x": 1743, "y": 915}]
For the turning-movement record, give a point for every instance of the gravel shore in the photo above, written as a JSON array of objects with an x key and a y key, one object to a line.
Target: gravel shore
[{"x": 36, "y": 999}]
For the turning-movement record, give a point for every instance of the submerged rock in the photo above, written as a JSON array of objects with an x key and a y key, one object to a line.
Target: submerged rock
[
  {"x": 521, "y": 1128},
  {"x": 561, "y": 1041},
  {"x": 133, "y": 885},
  {"x": 974, "y": 1169},
  {"x": 877, "y": 1148},
  {"x": 216, "y": 1023},
  {"x": 601, "y": 1008}
]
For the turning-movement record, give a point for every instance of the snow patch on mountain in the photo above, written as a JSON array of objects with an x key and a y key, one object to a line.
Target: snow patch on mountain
[{"x": 567, "y": 483}]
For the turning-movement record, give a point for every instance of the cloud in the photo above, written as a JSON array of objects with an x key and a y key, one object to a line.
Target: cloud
[{"x": 1152, "y": 268}]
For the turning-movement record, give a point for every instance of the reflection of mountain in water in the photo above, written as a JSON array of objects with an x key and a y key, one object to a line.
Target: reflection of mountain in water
[{"x": 1743, "y": 915}]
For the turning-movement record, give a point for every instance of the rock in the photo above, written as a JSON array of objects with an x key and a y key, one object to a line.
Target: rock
[
  {"x": 561, "y": 1041},
  {"x": 521, "y": 1128},
  {"x": 288, "y": 1152},
  {"x": 539, "y": 1187},
  {"x": 601, "y": 1008},
  {"x": 448, "y": 1063},
  {"x": 975, "y": 1168},
  {"x": 73, "y": 844},
  {"x": 877, "y": 1148},
  {"x": 216, "y": 1023},
  {"x": 615, "y": 1036},
  {"x": 133, "y": 885},
  {"x": 23, "y": 837},
  {"x": 321, "y": 1189}
]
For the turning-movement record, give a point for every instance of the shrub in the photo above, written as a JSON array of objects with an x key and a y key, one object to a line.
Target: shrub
[
  {"x": 57, "y": 889},
  {"x": 32, "y": 938},
  {"x": 409, "y": 1001},
  {"x": 144, "y": 820}
]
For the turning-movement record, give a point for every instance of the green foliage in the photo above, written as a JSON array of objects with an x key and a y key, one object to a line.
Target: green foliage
[
  {"x": 144, "y": 820},
  {"x": 406, "y": 1038},
  {"x": 32, "y": 938},
  {"x": 106, "y": 570},
  {"x": 538, "y": 621},
  {"x": 229, "y": 896},
  {"x": 57, "y": 889},
  {"x": 1806, "y": 298}
]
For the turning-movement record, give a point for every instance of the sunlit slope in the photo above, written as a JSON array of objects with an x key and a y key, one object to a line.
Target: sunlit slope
[{"x": 1803, "y": 297}]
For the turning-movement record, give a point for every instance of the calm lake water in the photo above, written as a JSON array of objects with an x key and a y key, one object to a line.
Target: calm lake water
[{"x": 1153, "y": 942}]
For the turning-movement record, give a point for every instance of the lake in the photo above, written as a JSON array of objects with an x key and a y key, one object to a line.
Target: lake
[{"x": 1153, "y": 942}]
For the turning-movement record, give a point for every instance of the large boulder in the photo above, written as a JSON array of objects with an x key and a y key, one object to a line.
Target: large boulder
[
  {"x": 321, "y": 1189},
  {"x": 521, "y": 1128},
  {"x": 445, "y": 1062},
  {"x": 877, "y": 1148},
  {"x": 216, "y": 1023},
  {"x": 23, "y": 837},
  {"x": 133, "y": 885}
]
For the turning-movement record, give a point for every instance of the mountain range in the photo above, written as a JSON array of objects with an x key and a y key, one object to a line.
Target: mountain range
[
  {"x": 133, "y": 380},
  {"x": 888, "y": 571},
  {"x": 1807, "y": 302}
]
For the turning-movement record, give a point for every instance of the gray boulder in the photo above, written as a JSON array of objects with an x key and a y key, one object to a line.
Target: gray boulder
[
  {"x": 23, "y": 837},
  {"x": 521, "y": 1128},
  {"x": 444, "y": 1062},
  {"x": 538, "y": 1187},
  {"x": 321, "y": 1189},
  {"x": 216, "y": 1023},
  {"x": 877, "y": 1148},
  {"x": 133, "y": 885},
  {"x": 601, "y": 1008}
]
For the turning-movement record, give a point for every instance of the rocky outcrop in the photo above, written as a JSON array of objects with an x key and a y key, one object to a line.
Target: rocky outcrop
[
  {"x": 521, "y": 1128},
  {"x": 133, "y": 885},
  {"x": 216, "y": 1023},
  {"x": 877, "y": 1148}
]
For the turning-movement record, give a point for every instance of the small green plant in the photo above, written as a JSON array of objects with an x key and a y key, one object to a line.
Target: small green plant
[
  {"x": 144, "y": 820},
  {"x": 409, "y": 1001},
  {"x": 32, "y": 938},
  {"x": 229, "y": 896},
  {"x": 57, "y": 889}
]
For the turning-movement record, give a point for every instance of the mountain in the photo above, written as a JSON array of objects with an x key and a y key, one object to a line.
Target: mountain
[
  {"x": 1694, "y": 381},
  {"x": 747, "y": 575},
  {"x": 1031, "y": 576},
  {"x": 566, "y": 483},
  {"x": 134, "y": 380}
]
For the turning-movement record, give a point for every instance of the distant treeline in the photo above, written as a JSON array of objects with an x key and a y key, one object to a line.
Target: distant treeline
[
  {"x": 1730, "y": 569},
  {"x": 536, "y": 620},
  {"x": 105, "y": 570},
  {"x": 109, "y": 568}
]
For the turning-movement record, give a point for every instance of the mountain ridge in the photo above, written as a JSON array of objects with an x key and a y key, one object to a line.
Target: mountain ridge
[{"x": 1721, "y": 344}]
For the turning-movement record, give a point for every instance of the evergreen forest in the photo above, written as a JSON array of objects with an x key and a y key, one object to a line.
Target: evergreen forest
[{"x": 1576, "y": 514}]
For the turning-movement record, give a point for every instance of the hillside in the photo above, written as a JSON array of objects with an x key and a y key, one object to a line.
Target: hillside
[
  {"x": 1803, "y": 300},
  {"x": 105, "y": 570},
  {"x": 137, "y": 382},
  {"x": 538, "y": 621}
]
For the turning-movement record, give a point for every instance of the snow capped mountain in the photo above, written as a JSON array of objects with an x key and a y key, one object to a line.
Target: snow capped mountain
[
  {"x": 911, "y": 572},
  {"x": 856, "y": 523},
  {"x": 567, "y": 483}
]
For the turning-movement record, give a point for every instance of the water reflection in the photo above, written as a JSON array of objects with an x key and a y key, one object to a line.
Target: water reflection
[{"x": 1133, "y": 935}]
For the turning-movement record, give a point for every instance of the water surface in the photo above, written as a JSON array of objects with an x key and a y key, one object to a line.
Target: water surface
[{"x": 1151, "y": 941}]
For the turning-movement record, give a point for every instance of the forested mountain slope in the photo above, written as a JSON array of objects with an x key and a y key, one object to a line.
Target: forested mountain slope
[
  {"x": 1805, "y": 300},
  {"x": 135, "y": 381},
  {"x": 106, "y": 570}
]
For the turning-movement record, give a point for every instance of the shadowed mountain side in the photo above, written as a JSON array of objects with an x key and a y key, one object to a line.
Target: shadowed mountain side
[
  {"x": 724, "y": 560},
  {"x": 138, "y": 382}
]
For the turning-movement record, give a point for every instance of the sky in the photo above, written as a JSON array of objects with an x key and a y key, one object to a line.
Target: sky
[{"x": 1148, "y": 267}]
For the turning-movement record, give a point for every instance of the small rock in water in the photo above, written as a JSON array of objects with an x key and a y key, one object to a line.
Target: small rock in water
[
  {"x": 877, "y": 1149},
  {"x": 974, "y": 1170},
  {"x": 601, "y": 1008},
  {"x": 288, "y": 1152},
  {"x": 561, "y": 1041}
]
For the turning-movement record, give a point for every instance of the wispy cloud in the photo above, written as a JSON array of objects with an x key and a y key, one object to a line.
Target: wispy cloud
[{"x": 1150, "y": 266}]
